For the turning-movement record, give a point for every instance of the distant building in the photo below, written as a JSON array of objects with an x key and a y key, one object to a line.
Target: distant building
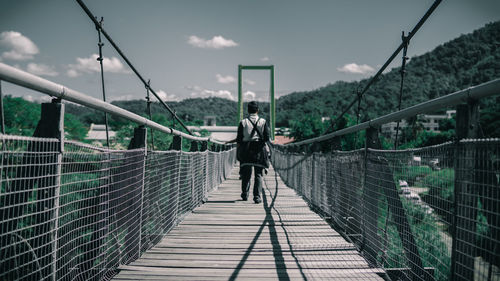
[
  {"x": 430, "y": 123},
  {"x": 97, "y": 132},
  {"x": 227, "y": 133},
  {"x": 220, "y": 133},
  {"x": 210, "y": 121},
  {"x": 389, "y": 129},
  {"x": 282, "y": 131}
]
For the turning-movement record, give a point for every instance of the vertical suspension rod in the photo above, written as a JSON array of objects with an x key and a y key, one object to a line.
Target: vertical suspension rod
[
  {"x": 391, "y": 58},
  {"x": 406, "y": 41},
  {"x": 150, "y": 116},
  {"x": 2, "y": 122},
  {"x": 100, "y": 59},
  {"x": 91, "y": 16}
]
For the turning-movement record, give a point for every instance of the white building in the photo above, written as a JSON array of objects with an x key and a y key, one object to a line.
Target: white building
[
  {"x": 429, "y": 123},
  {"x": 98, "y": 132},
  {"x": 220, "y": 133}
]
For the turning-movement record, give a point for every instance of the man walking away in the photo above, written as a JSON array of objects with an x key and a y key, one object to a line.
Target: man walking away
[{"x": 253, "y": 134}]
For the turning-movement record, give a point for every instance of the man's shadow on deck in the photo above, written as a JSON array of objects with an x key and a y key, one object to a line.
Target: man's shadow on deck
[{"x": 279, "y": 261}]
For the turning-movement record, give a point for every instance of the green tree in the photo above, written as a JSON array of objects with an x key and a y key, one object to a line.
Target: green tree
[
  {"x": 307, "y": 127},
  {"x": 21, "y": 116}
]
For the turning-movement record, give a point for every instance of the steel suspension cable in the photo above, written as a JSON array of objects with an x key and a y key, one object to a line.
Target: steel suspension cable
[
  {"x": 100, "y": 59},
  {"x": 391, "y": 58},
  {"x": 91, "y": 16},
  {"x": 406, "y": 41}
]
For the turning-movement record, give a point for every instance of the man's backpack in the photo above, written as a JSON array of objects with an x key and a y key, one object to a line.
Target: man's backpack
[{"x": 253, "y": 151}]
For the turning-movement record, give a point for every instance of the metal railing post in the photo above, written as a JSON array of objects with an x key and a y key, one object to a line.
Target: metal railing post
[
  {"x": 465, "y": 197},
  {"x": 51, "y": 125},
  {"x": 57, "y": 191},
  {"x": 370, "y": 242},
  {"x": 140, "y": 141}
]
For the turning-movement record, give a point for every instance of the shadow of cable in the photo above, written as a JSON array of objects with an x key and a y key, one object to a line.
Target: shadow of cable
[
  {"x": 292, "y": 252},
  {"x": 277, "y": 252}
]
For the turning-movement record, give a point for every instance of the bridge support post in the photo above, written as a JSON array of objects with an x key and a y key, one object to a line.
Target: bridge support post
[
  {"x": 139, "y": 140},
  {"x": 53, "y": 114},
  {"x": 204, "y": 146},
  {"x": 176, "y": 143},
  {"x": 465, "y": 202},
  {"x": 194, "y": 146},
  {"x": 336, "y": 144},
  {"x": 371, "y": 241}
]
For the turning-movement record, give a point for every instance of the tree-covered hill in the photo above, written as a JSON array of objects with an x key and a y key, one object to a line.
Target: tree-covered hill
[
  {"x": 468, "y": 60},
  {"x": 465, "y": 61}
]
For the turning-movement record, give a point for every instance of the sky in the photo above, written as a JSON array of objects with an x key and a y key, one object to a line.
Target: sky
[{"x": 192, "y": 48}]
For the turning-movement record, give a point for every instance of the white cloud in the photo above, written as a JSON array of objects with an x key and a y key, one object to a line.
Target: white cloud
[
  {"x": 217, "y": 42},
  {"x": 162, "y": 94},
  {"x": 249, "y": 82},
  {"x": 91, "y": 64},
  {"x": 217, "y": 93},
  {"x": 225, "y": 79},
  {"x": 41, "y": 69},
  {"x": 123, "y": 97},
  {"x": 19, "y": 46},
  {"x": 264, "y": 59},
  {"x": 199, "y": 92},
  {"x": 356, "y": 68},
  {"x": 72, "y": 73},
  {"x": 166, "y": 97},
  {"x": 249, "y": 95},
  {"x": 38, "y": 99}
]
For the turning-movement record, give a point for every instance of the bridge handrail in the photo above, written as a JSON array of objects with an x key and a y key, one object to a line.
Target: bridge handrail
[
  {"x": 474, "y": 92},
  {"x": 33, "y": 82}
]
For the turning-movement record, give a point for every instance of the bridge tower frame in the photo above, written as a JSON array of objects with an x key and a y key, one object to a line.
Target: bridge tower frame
[{"x": 272, "y": 106}]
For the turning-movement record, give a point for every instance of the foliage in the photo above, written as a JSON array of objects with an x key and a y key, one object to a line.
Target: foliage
[
  {"x": 74, "y": 129},
  {"x": 22, "y": 116},
  {"x": 411, "y": 173},
  {"x": 306, "y": 127},
  {"x": 490, "y": 119},
  {"x": 424, "y": 227}
]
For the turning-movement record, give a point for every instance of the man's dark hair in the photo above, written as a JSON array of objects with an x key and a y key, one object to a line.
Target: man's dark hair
[{"x": 253, "y": 107}]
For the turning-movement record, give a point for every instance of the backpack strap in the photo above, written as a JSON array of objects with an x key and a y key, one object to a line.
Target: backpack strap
[{"x": 255, "y": 129}]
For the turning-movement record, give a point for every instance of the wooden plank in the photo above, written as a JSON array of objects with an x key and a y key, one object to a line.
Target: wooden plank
[
  {"x": 138, "y": 271},
  {"x": 230, "y": 239},
  {"x": 268, "y": 264},
  {"x": 344, "y": 256}
]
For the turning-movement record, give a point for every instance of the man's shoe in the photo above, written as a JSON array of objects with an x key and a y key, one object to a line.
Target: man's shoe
[
  {"x": 257, "y": 200},
  {"x": 244, "y": 197}
]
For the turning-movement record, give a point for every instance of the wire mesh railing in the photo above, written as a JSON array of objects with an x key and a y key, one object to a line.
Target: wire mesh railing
[
  {"x": 421, "y": 214},
  {"x": 79, "y": 212}
]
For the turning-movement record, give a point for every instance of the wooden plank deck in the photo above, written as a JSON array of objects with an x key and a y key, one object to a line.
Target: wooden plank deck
[{"x": 230, "y": 239}]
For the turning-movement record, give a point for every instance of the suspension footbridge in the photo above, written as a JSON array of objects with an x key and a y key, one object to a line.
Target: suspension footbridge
[{"x": 74, "y": 211}]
